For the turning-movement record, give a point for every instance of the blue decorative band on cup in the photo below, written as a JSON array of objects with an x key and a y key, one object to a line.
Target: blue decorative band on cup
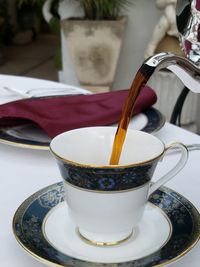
[{"x": 107, "y": 179}]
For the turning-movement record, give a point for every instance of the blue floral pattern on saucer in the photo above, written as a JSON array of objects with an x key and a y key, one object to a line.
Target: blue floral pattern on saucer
[{"x": 183, "y": 216}]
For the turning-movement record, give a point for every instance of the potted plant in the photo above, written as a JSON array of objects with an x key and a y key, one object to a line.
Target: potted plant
[{"x": 94, "y": 40}]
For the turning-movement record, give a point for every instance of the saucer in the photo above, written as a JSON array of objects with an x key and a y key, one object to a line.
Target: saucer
[{"x": 169, "y": 228}]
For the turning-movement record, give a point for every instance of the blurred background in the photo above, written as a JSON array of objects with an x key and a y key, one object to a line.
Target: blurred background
[
  {"x": 28, "y": 43},
  {"x": 36, "y": 40}
]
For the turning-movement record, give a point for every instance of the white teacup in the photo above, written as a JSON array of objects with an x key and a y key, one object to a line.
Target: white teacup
[{"x": 107, "y": 201}]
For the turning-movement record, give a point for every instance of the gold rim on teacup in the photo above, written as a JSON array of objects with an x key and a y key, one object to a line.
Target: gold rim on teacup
[{"x": 106, "y": 166}]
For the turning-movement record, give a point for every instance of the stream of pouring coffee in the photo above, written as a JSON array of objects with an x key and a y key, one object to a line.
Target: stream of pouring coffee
[{"x": 141, "y": 78}]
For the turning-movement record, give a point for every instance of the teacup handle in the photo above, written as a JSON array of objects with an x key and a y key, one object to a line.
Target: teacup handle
[{"x": 180, "y": 164}]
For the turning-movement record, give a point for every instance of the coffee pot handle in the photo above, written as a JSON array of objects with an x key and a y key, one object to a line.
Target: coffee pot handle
[{"x": 176, "y": 169}]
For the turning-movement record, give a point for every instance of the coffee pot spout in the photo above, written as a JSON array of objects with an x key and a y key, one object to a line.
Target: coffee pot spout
[{"x": 183, "y": 68}]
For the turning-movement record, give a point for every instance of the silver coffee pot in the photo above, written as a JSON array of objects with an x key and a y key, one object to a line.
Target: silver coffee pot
[{"x": 187, "y": 69}]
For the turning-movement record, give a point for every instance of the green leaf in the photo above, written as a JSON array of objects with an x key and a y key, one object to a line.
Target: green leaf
[{"x": 103, "y": 9}]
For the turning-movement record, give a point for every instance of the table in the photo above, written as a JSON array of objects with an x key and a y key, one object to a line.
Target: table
[{"x": 25, "y": 171}]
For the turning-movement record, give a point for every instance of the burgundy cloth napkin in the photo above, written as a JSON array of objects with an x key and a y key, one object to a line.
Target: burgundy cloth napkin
[{"x": 62, "y": 113}]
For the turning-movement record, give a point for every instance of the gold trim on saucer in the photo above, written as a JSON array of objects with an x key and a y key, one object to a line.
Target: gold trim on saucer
[
  {"x": 16, "y": 144},
  {"x": 103, "y": 244}
]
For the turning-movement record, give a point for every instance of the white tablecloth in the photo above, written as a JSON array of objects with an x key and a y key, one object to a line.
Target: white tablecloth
[{"x": 25, "y": 171}]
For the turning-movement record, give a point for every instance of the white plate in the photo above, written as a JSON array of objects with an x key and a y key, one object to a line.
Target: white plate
[{"x": 30, "y": 136}]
